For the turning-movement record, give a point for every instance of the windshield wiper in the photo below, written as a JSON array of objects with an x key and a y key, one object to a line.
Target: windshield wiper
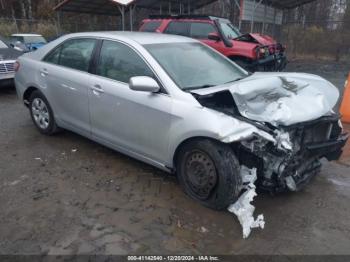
[
  {"x": 197, "y": 87},
  {"x": 238, "y": 79}
]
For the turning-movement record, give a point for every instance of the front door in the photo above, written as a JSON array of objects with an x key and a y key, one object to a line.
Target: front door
[{"x": 134, "y": 121}]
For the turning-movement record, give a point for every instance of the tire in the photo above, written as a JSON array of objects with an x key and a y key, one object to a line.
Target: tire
[
  {"x": 209, "y": 172},
  {"x": 42, "y": 114}
]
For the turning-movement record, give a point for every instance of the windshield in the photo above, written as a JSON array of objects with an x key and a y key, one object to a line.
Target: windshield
[
  {"x": 29, "y": 39},
  {"x": 229, "y": 30},
  {"x": 194, "y": 66},
  {"x": 34, "y": 39},
  {"x": 3, "y": 45}
]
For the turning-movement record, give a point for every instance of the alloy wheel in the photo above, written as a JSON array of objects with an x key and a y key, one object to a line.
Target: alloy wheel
[{"x": 40, "y": 113}]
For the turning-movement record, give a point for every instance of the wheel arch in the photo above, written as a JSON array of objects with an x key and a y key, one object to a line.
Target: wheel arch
[
  {"x": 28, "y": 92},
  {"x": 186, "y": 141}
]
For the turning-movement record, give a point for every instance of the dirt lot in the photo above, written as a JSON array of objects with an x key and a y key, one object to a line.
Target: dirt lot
[{"x": 68, "y": 195}]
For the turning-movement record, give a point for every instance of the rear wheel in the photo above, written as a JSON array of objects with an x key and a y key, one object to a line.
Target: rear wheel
[
  {"x": 42, "y": 114},
  {"x": 208, "y": 171}
]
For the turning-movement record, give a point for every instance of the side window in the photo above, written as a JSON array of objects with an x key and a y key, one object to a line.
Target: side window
[
  {"x": 177, "y": 28},
  {"x": 201, "y": 30},
  {"x": 119, "y": 62},
  {"x": 77, "y": 54},
  {"x": 151, "y": 26},
  {"x": 54, "y": 56},
  {"x": 18, "y": 38}
]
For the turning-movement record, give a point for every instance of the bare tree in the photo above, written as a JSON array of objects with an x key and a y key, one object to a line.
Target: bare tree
[{"x": 29, "y": 9}]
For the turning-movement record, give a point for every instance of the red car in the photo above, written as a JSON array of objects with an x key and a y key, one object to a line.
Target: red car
[{"x": 254, "y": 52}]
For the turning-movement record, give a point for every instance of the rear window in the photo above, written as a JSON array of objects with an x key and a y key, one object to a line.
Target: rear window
[
  {"x": 35, "y": 39},
  {"x": 178, "y": 28},
  {"x": 151, "y": 26}
]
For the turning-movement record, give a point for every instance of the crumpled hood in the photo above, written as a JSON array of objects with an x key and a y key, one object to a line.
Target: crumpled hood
[
  {"x": 281, "y": 98},
  {"x": 261, "y": 39},
  {"x": 264, "y": 39}
]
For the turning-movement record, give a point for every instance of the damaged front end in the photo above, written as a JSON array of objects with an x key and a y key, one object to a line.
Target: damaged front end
[
  {"x": 270, "y": 55},
  {"x": 292, "y": 157}
]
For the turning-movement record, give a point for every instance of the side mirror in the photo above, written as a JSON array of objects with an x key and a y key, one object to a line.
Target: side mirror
[
  {"x": 214, "y": 36},
  {"x": 144, "y": 84}
]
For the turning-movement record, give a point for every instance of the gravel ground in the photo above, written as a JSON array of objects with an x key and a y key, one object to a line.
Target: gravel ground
[{"x": 68, "y": 195}]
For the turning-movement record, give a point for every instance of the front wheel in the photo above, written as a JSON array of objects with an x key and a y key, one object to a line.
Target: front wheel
[
  {"x": 42, "y": 114},
  {"x": 209, "y": 172}
]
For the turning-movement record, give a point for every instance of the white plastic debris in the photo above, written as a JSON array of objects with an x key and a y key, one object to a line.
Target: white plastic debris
[{"x": 243, "y": 208}]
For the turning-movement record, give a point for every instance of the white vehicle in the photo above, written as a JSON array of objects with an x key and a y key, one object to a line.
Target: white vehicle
[
  {"x": 27, "y": 42},
  {"x": 8, "y": 57},
  {"x": 179, "y": 105}
]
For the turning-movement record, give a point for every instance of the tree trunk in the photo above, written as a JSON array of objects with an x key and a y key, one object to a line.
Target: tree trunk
[
  {"x": 30, "y": 12},
  {"x": 23, "y": 10}
]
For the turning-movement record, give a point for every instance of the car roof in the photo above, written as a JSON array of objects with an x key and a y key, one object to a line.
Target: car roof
[
  {"x": 142, "y": 38},
  {"x": 187, "y": 17},
  {"x": 26, "y": 35}
]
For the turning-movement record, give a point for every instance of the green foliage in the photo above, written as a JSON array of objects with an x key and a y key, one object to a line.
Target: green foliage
[{"x": 7, "y": 28}]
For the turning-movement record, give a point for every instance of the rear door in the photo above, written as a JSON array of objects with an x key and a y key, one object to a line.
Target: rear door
[{"x": 64, "y": 74}]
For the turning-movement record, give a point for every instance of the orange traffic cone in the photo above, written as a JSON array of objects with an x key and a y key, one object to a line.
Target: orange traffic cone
[{"x": 345, "y": 105}]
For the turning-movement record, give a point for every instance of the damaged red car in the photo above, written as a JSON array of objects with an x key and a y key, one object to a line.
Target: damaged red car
[{"x": 253, "y": 52}]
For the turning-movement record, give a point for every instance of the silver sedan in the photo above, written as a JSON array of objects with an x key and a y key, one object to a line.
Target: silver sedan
[{"x": 177, "y": 104}]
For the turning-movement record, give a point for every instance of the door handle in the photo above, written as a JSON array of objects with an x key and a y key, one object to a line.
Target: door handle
[
  {"x": 97, "y": 90},
  {"x": 44, "y": 72}
]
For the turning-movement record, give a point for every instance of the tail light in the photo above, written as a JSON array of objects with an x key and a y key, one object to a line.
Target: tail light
[{"x": 17, "y": 66}]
